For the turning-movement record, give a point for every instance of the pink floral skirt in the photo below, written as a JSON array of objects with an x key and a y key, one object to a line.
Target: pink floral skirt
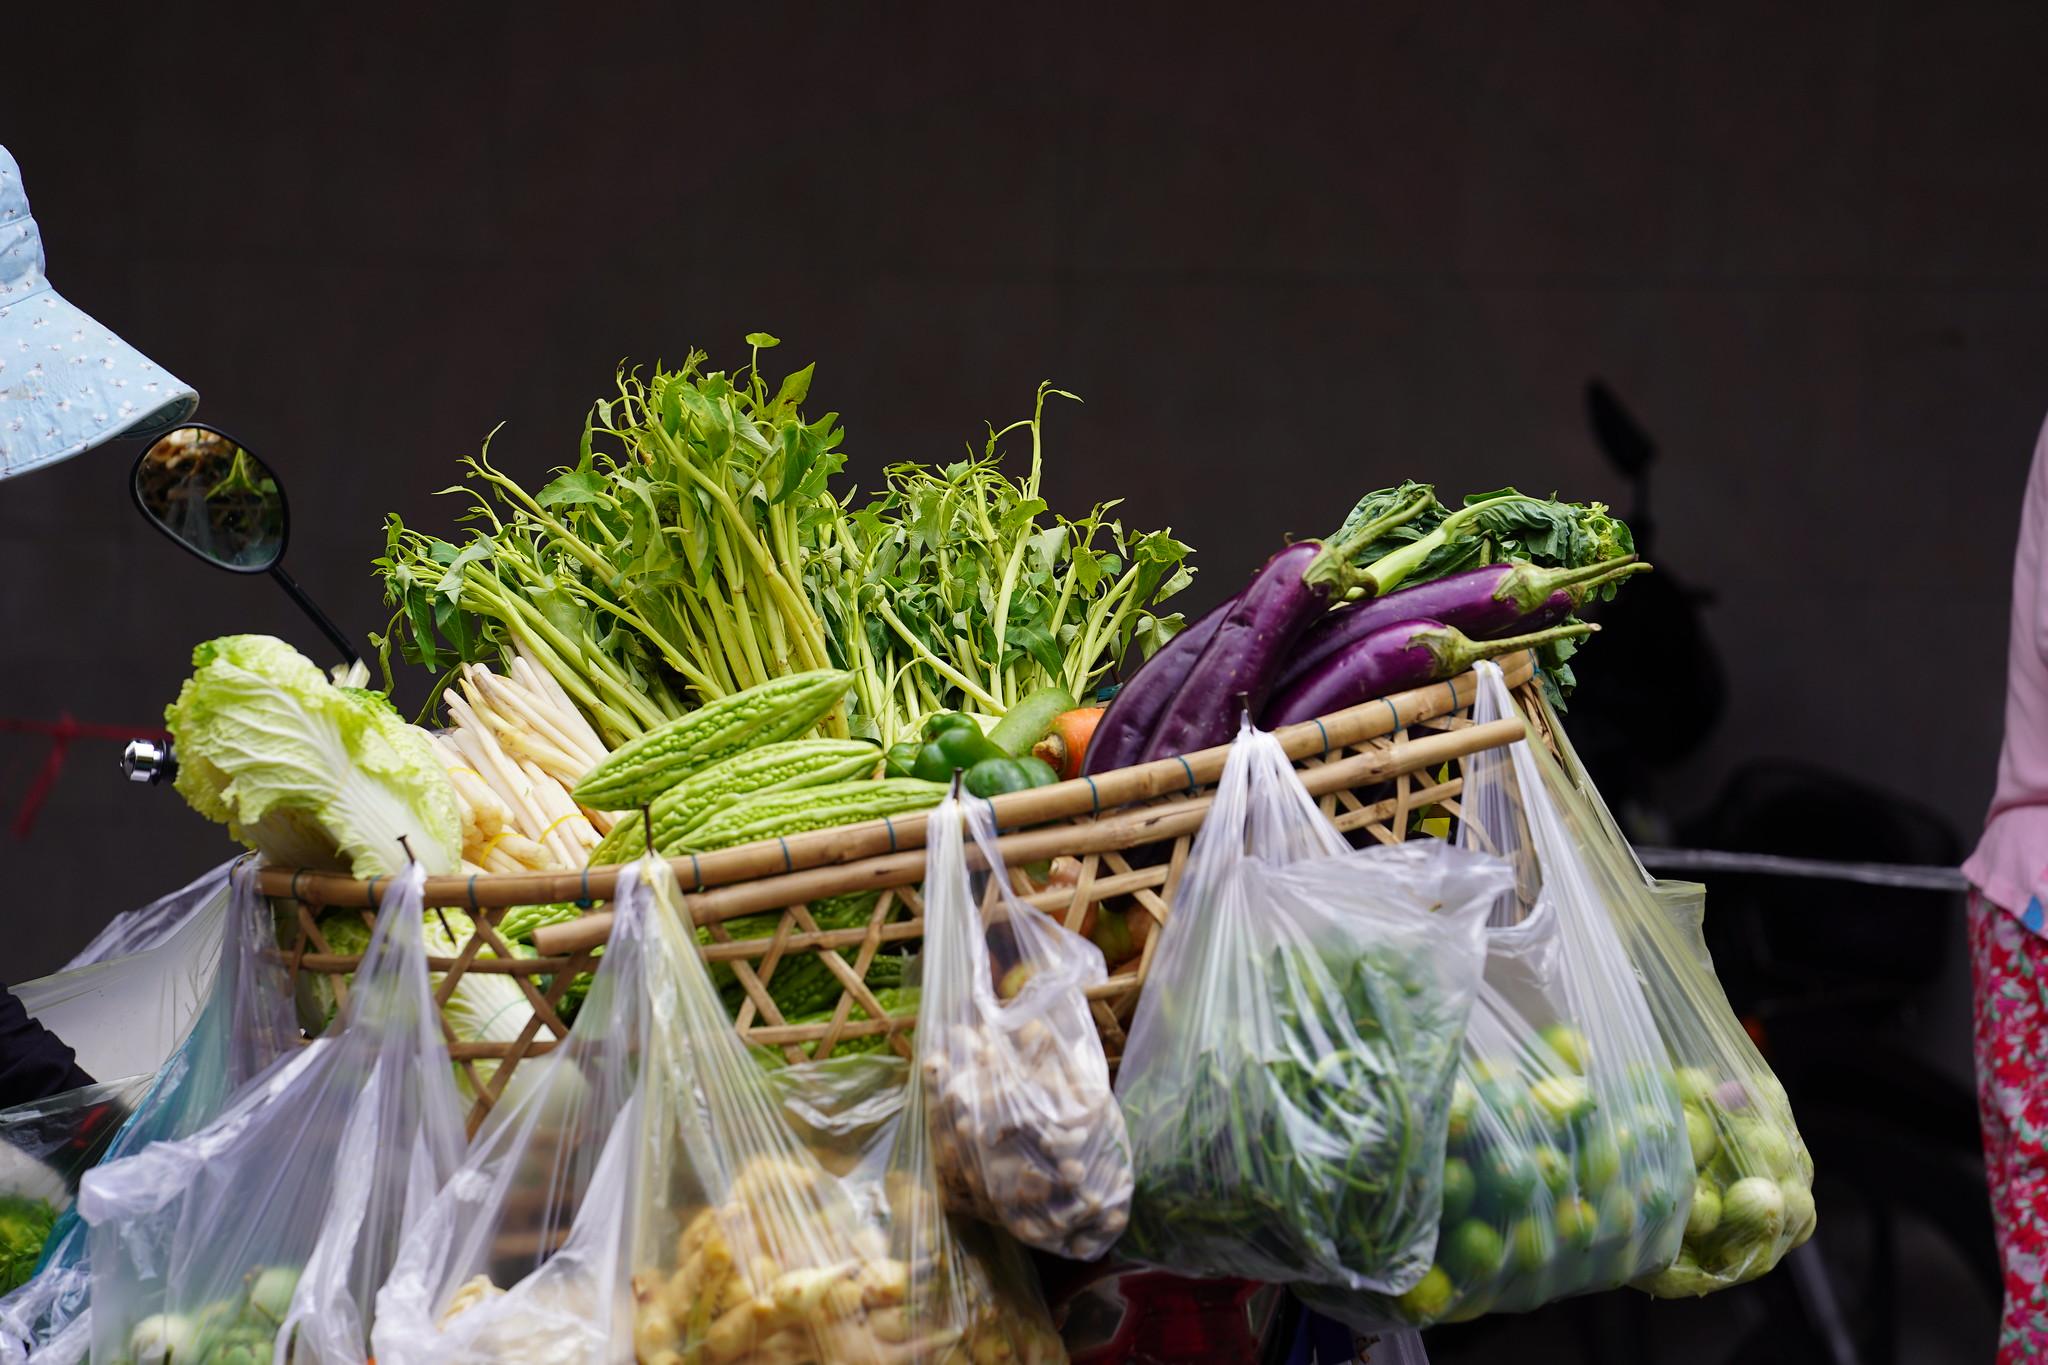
[{"x": 2009, "y": 966}]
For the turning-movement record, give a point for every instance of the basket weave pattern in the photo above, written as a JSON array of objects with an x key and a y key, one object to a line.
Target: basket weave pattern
[{"x": 1376, "y": 771}]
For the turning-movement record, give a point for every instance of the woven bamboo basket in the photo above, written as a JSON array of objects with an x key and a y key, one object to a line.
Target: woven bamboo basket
[{"x": 1377, "y": 770}]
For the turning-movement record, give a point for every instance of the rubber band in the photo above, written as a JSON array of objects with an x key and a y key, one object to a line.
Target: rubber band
[
  {"x": 1452, "y": 688},
  {"x": 475, "y": 774},
  {"x": 1187, "y": 768},
  {"x": 373, "y": 890},
  {"x": 295, "y": 885},
  {"x": 787, "y": 864},
  {"x": 473, "y": 911},
  {"x": 1395, "y": 712},
  {"x": 495, "y": 840},
  {"x": 1326, "y": 736},
  {"x": 1094, "y": 795},
  {"x": 584, "y": 903},
  {"x": 890, "y": 825},
  {"x": 696, "y": 874},
  {"x": 572, "y": 815}
]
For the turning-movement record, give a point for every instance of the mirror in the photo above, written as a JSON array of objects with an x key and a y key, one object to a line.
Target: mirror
[
  {"x": 208, "y": 493},
  {"x": 203, "y": 489}
]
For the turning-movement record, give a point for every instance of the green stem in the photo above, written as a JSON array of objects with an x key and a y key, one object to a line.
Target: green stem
[
  {"x": 1333, "y": 564},
  {"x": 1389, "y": 571},
  {"x": 938, "y": 665}
]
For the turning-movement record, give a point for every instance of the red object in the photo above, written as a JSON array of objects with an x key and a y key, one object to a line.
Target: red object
[
  {"x": 61, "y": 732},
  {"x": 1161, "y": 1319}
]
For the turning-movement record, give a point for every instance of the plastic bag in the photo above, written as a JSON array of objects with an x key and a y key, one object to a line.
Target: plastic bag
[
  {"x": 750, "y": 1249},
  {"x": 1025, "y": 1127},
  {"x": 269, "y": 1230},
  {"x": 1288, "y": 1076},
  {"x": 522, "y": 1258},
  {"x": 124, "y": 1015},
  {"x": 45, "y": 1146},
  {"x": 138, "y": 930},
  {"x": 1567, "y": 1167},
  {"x": 245, "y": 1026},
  {"x": 1753, "y": 1200}
]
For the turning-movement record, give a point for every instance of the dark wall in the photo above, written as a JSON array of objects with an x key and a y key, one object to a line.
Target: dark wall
[{"x": 1285, "y": 259}]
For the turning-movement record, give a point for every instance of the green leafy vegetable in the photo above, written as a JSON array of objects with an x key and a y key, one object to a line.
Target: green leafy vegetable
[
  {"x": 25, "y": 1225},
  {"x": 307, "y": 773}
]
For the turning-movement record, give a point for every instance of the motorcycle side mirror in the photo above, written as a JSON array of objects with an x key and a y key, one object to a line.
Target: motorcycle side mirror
[{"x": 206, "y": 491}]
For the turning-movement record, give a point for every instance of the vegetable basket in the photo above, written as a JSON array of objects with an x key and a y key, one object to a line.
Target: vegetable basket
[{"x": 1379, "y": 770}]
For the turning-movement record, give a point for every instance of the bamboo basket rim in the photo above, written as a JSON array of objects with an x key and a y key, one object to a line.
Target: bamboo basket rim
[{"x": 877, "y": 840}]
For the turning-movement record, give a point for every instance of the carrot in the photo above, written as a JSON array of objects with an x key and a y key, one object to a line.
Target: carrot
[{"x": 1067, "y": 745}]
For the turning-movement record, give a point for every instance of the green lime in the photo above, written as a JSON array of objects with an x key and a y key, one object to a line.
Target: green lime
[
  {"x": 1464, "y": 1104},
  {"x": 1460, "y": 1188},
  {"x": 1472, "y": 1252},
  {"x": 1506, "y": 1178},
  {"x": 1430, "y": 1296},
  {"x": 1564, "y": 1100},
  {"x": 1577, "y": 1223},
  {"x": 1617, "y": 1213},
  {"x": 1598, "y": 1162},
  {"x": 1656, "y": 1199},
  {"x": 1552, "y": 1168},
  {"x": 1569, "y": 1044},
  {"x": 1508, "y": 1098},
  {"x": 1531, "y": 1244}
]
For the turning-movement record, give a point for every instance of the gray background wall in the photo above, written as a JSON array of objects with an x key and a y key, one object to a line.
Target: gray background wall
[{"x": 1285, "y": 256}]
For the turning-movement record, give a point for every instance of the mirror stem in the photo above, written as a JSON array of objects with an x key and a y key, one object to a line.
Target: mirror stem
[{"x": 327, "y": 627}]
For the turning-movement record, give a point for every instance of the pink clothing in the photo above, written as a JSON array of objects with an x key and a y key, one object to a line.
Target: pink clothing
[{"x": 2011, "y": 862}]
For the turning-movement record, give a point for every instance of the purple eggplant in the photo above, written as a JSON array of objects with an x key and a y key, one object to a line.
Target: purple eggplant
[
  {"x": 1241, "y": 662},
  {"x": 1121, "y": 733},
  {"x": 1395, "y": 658},
  {"x": 1486, "y": 603}
]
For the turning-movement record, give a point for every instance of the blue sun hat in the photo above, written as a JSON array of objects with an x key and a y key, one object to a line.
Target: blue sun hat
[{"x": 67, "y": 384}]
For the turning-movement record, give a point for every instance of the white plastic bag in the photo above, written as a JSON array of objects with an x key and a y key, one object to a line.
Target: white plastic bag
[
  {"x": 1025, "y": 1127},
  {"x": 137, "y": 930},
  {"x": 1567, "y": 1168},
  {"x": 1288, "y": 1077},
  {"x": 522, "y": 1258},
  {"x": 123, "y": 1015},
  {"x": 246, "y": 1026},
  {"x": 266, "y": 1233}
]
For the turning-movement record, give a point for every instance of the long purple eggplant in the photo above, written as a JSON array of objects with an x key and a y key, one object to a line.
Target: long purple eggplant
[
  {"x": 1121, "y": 733},
  {"x": 1239, "y": 664},
  {"x": 1394, "y": 658},
  {"x": 1485, "y": 602}
]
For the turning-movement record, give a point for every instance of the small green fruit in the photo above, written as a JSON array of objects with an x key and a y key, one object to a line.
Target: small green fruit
[
  {"x": 1426, "y": 1301},
  {"x": 1577, "y": 1224},
  {"x": 1464, "y": 1104},
  {"x": 1694, "y": 1086},
  {"x": 1472, "y": 1252},
  {"x": 1617, "y": 1213},
  {"x": 1699, "y": 1132},
  {"x": 1598, "y": 1162},
  {"x": 1800, "y": 1214},
  {"x": 1552, "y": 1168},
  {"x": 1460, "y": 1188},
  {"x": 1531, "y": 1244},
  {"x": 1569, "y": 1044},
  {"x": 1506, "y": 1178},
  {"x": 1564, "y": 1100},
  {"x": 1705, "y": 1214}
]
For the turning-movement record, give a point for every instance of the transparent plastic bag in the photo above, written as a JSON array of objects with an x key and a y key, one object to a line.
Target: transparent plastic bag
[
  {"x": 1288, "y": 1077},
  {"x": 267, "y": 1232},
  {"x": 751, "y": 1248},
  {"x": 245, "y": 1026},
  {"x": 45, "y": 1146},
  {"x": 143, "y": 928},
  {"x": 522, "y": 1258},
  {"x": 123, "y": 1015},
  {"x": 1753, "y": 1200},
  {"x": 1567, "y": 1168},
  {"x": 1025, "y": 1126}
]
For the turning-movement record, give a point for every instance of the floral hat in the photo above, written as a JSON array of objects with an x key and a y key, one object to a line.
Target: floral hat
[{"x": 66, "y": 382}]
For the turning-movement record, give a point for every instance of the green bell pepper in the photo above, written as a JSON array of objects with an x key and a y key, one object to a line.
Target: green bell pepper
[
  {"x": 902, "y": 759},
  {"x": 954, "y": 748},
  {"x": 1000, "y": 776}
]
